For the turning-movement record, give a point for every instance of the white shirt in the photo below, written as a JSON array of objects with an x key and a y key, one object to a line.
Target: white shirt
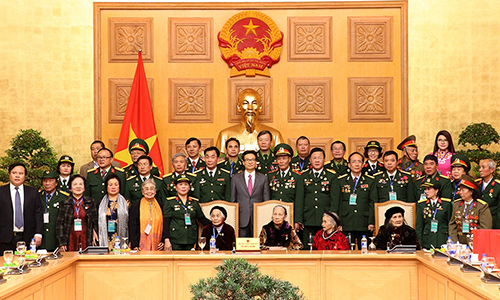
[
  {"x": 317, "y": 172},
  {"x": 353, "y": 177},
  {"x": 253, "y": 178},
  {"x": 372, "y": 166},
  {"x": 284, "y": 173},
  {"x": 433, "y": 202},
  {"x": 144, "y": 178},
  {"x": 393, "y": 174},
  {"x": 485, "y": 184},
  {"x": 212, "y": 171},
  {"x": 13, "y": 198},
  {"x": 195, "y": 161},
  {"x": 62, "y": 178},
  {"x": 95, "y": 164}
]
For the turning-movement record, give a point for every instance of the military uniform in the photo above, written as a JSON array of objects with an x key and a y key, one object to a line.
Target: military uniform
[
  {"x": 232, "y": 168},
  {"x": 446, "y": 186},
  {"x": 355, "y": 214},
  {"x": 199, "y": 165},
  {"x": 95, "y": 188},
  {"x": 427, "y": 213},
  {"x": 314, "y": 197},
  {"x": 182, "y": 236},
  {"x": 491, "y": 195},
  {"x": 169, "y": 185},
  {"x": 477, "y": 213},
  {"x": 367, "y": 169},
  {"x": 402, "y": 184},
  {"x": 62, "y": 186},
  {"x": 131, "y": 170},
  {"x": 50, "y": 207},
  {"x": 216, "y": 187},
  {"x": 299, "y": 165},
  {"x": 133, "y": 189},
  {"x": 456, "y": 190},
  {"x": 340, "y": 169},
  {"x": 266, "y": 162},
  {"x": 416, "y": 169},
  {"x": 284, "y": 189}
]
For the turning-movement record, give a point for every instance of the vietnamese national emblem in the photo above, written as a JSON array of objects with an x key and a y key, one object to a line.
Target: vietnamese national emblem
[{"x": 250, "y": 43}]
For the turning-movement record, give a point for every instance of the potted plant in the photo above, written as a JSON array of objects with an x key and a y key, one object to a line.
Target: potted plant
[{"x": 237, "y": 279}]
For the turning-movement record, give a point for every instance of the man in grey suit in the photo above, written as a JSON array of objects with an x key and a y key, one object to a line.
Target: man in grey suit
[
  {"x": 247, "y": 188},
  {"x": 94, "y": 148}
]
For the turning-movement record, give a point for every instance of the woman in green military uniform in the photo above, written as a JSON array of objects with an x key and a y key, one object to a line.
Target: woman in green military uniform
[
  {"x": 180, "y": 230},
  {"x": 433, "y": 216}
]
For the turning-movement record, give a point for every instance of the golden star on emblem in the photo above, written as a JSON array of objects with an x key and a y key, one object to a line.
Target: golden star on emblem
[{"x": 251, "y": 28}]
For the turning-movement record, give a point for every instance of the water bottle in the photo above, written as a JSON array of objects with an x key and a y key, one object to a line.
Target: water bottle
[
  {"x": 448, "y": 244},
  {"x": 33, "y": 246},
  {"x": 213, "y": 248},
  {"x": 466, "y": 254},
  {"x": 116, "y": 247},
  {"x": 364, "y": 245},
  {"x": 484, "y": 262}
]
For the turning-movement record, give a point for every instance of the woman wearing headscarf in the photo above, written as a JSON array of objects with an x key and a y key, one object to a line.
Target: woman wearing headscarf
[
  {"x": 395, "y": 231},
  {"x": 444, "y": 150},
  {"x": 146, "y": 220},
  {"x": 330, "y": 238},
  {"x": 113, "y": 213},
  {"x": 279, "y": 233},
  {"x": 222, "y": 232}
]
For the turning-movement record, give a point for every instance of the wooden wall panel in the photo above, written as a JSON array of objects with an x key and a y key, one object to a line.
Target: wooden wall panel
[
  {"x": 119, "y": 91},
  {"x": 310, "y": 38},
  {"x": 191, "y": 39},
  {"x": 191, "y": 100},
  {"x": 309, "y": 100},
  {"x": 370, "y": 38},
  {"x": 129, "y": 35},
  {"x": 371, "y": 99},
  {"x": 332, "y": 121}
]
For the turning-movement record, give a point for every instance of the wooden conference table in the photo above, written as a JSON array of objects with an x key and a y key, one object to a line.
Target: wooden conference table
[{"x": 319, "y": 274}]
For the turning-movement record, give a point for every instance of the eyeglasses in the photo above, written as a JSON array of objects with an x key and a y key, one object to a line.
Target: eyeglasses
[{"x": 103, "y": 157}]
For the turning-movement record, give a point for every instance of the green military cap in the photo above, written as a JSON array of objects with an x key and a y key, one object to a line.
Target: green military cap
[
  {"x": 432, "y": 182},
  {"x": 67, "y": 159},
  {"x": 182, "y": 178},
  {"x": 373, "y": 144},
  {"x": 283, "y": 149},
  {"x": 409, "y": 141},
  {"x": 460, "y": 160},
  {"x": 138, "y": 144},
  {"x": 50, "y": 174}
]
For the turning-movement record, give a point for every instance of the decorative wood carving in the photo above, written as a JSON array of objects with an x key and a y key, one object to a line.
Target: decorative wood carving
[
  {"x": 310, "y": 38},
  {"x": 119, "y": 92},
  {"x": 309, "y": 99},
  {"x": 191, "y": 40},
  {"x": 176, "y": 145},
  {"x": 359, "y": 143},
  {"x": 371, "y": 99},
  {"x": 323, "y": 143},
  {"x": 129, "y": 35},
  {"x": 191, "y": 100},
  {"x": 262, "y": 85},
  {"x": 370, "y": 38},
  {"x": 112, "y": 144}
]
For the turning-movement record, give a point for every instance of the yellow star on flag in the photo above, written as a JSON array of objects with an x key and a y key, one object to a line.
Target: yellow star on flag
[
  {"x": 124, "y": 155},
  {"x": 251, "y": 28}
]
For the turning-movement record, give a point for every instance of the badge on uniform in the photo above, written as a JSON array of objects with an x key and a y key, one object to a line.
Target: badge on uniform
[
  {"x": 77, "y": 225},
  {"x": 352, "y": 199},
  {"x": 465, "y": 226},
  {"x": 111, "y": 226},
  {"x": 434, "y": 225},
  {"x": 423, "y": 196},
  {"x": 187, "y": 219},
  {"x": 393, "y": 196},
  {"x": 46, "y": 218}
]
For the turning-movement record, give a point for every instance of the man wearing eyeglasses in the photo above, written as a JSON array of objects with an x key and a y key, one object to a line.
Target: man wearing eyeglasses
[
  {"x": 247, "y": 188},
  {"x": 133, "y": 191},
  {"x": 95, "y": 188}
]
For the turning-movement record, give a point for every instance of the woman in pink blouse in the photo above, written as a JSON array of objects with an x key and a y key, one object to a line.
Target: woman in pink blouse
[{"x": 444, "y": 150}]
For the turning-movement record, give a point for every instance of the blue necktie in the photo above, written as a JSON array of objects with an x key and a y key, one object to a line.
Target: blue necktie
[{"x": 18, "y": 221}]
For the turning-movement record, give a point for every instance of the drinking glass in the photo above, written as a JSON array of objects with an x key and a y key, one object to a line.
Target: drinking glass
[
  {"x": 202, "y": 241},
  {"x": 124, "y": 247},
  {"x": 21, "y": 247},
  {"x": 8, "y": 256},
  {"x": 372, "y": 247},
  {"x": 490, "y": 263}
]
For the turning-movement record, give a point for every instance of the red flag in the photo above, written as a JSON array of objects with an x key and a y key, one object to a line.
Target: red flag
[{"x": 139, "y": 121}]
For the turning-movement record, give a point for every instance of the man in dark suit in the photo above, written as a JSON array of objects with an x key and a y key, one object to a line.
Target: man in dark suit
[
  {"x": 20, "y": 211},
  {"x": 247, "y": 188}
]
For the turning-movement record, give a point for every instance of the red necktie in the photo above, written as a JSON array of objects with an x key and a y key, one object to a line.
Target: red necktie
[{"x": 250, "y": 184}]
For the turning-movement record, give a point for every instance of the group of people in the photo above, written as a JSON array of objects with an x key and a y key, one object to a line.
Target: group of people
[{"x": 332, "y": 199}]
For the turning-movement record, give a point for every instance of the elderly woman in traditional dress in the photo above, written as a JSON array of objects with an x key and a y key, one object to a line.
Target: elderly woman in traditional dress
[
  {"x": 113, "y": 213},
  {"x": 395, "y": 231},
  {"x": 330, "y": 238},
  {"x": 219, "y": 229},
  {"x": 146, "y": 220},
  {"x": 278, "y": 233}
]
